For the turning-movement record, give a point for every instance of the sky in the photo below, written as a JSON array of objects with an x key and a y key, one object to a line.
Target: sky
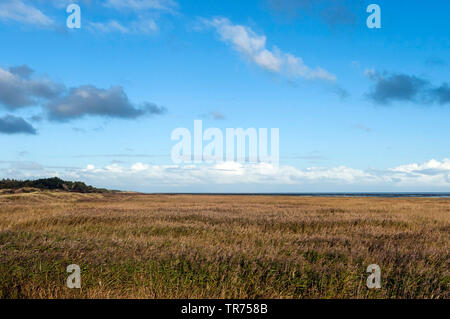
[{"x": 358, "y": 109}]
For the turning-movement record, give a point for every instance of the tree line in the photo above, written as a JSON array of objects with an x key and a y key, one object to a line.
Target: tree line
[{"x": 54, "y": 183}]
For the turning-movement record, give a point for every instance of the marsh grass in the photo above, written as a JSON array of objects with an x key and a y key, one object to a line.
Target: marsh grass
[{"x": 207, "y": 246}]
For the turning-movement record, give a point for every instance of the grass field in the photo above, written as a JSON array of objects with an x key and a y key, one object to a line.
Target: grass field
[{"x": 186, "y": 246}]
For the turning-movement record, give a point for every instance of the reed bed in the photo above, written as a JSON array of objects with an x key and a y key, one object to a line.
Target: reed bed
[{"x": 209, "y": 246}]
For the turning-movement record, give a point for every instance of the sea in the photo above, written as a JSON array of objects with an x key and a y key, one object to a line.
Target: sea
[{"x": 389, "y": 195}]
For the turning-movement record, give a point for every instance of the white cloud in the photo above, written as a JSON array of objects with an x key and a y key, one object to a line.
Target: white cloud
[
  {"x": 253, "y": 47},
  {"x": 141, "y": 4},
  {"x": 144, "y": 21},
  {"x": 18, "y": 11},
  {"x": 424, "y": 167},
  {"x": 139, "y": 167},
  {"x": 248, "y": 177},
  {"x": 140, "y": 26},
  {"x": 108, "y": 27},
  {"x": 145, "y": 26},
  {"x": 62, "y": 4},
  {"x": 144, "y": 11}
]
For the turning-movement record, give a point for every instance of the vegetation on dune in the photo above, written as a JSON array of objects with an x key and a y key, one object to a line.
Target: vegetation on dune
[
  {"x": 186, "y": 246},
  {"x": 54, "y": 183}
]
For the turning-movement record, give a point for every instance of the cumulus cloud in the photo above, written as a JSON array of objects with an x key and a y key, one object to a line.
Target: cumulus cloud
[
  {"x": 89, "y": 100},
  {"x": 19, "y": 89},
  {"x": 432, "y": 174},
  {"x": 23, "y": 71},
  {"x": 253, "y": 46},
  {"x": 441, "y": 94},
  {"x": 23, "y": 12},
  {"x": 10, "y": 124},
  {"x": 407, "y": 88},
  {"x": 396, "y": 87}
]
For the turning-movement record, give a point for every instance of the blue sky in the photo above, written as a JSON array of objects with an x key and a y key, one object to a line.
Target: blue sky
[{"x": 358, "y": 109}]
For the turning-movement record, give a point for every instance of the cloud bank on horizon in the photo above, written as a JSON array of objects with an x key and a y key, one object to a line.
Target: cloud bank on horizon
[{"x": 243, "y": 177}]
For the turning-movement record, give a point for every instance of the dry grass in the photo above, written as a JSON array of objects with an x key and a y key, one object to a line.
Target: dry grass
[{"x": 183, "y": 246}]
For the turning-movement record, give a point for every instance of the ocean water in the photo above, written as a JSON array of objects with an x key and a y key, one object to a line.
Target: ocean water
[
  {"x": 390, "y": 195},
  {"x": 395, "y": 195}
]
